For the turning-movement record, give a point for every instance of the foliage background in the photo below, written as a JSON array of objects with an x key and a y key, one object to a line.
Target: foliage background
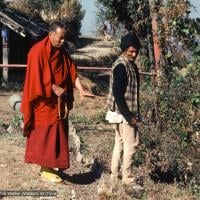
[{"x": 68, "y": 11}]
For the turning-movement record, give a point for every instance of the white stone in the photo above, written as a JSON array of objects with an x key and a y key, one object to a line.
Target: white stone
[
  {"x": 15, "y": 102},
  {"x": 10, "y": 129}
]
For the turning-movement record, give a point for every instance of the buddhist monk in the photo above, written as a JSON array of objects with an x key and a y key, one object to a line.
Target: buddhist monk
[{"x": 47, "y": 98}]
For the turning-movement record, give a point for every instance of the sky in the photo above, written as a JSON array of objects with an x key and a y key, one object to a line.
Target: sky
[
  {"x": 195, "y": 12},
  {"x": 88, "y": 23},
  {"x": 89, "y": 20}
]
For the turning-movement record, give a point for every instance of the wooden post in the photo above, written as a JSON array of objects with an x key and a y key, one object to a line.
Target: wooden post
[
  {"x": 155, "y": 57},
  {"x": 151, "y": 51},
  {"x": 157, "y": 69},
  {"x": 156, "y": 45},
  {"x": 4, "y": 34}
]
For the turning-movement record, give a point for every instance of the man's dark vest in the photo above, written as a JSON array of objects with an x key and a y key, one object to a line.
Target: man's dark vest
[{"x": 132, "y": 90}]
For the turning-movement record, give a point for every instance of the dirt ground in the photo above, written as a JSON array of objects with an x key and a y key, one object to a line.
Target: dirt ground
[{"x": 82, "y": 182}]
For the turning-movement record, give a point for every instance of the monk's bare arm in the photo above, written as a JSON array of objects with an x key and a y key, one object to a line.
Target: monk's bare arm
[{"x": 83, "y": 92}]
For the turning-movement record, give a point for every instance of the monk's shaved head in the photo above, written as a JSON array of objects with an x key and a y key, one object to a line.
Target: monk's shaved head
[
  {"x": 56, "y": 25},
  {"x": 57, "y": 34}
]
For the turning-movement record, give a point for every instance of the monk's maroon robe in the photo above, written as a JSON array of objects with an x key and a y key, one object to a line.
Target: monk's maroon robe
[{"x": 47, "y": 143}]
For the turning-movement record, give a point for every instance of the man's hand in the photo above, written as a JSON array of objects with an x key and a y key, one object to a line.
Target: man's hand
[
  {"x": 84, "y": 93},
  {"x": 133, "y": 122}
]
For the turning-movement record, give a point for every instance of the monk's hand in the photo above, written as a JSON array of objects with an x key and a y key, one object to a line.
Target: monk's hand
[
  {"x": 85, "y": 93},
  {"x": 27, "y": 128},
  {"x": 57, "y": 90}
]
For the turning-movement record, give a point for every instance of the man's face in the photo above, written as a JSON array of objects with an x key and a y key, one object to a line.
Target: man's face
[
  {"x": 131, "y": 53},
  {"x": 57, "y": 37}
]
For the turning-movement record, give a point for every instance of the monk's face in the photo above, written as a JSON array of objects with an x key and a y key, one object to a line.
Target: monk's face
[
  {"x": 57, "y": 37},
  {"x": 131, "y": 53}
]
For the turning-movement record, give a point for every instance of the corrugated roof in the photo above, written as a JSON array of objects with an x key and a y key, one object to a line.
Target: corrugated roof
[{"x": 22, "y": 24}]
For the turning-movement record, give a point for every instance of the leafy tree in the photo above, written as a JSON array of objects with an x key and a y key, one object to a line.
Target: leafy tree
[
  {"x": 36, "y": 7},
  {"x": 71, "y": 14},
  {"x": 69, "y": 11},
  {"x": 133, "y": 14}
]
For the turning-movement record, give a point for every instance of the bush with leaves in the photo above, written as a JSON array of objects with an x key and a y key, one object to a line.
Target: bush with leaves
[{"x": 173, "y": 149}]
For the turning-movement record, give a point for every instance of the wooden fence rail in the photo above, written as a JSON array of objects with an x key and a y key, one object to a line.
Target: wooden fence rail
[{"x": 102, "y": 68}]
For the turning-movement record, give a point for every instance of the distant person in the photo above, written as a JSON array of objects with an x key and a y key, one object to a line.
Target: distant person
[
  {"x": 123, "y": 108},
  {"x": 47, "y": 98},
  {"x": 108, "y": 30}
]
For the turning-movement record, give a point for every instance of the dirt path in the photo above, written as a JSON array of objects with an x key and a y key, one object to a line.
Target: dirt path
[{"x": 95, "y": 52}]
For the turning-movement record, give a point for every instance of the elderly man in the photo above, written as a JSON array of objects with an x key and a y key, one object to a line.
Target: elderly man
[
  {"x": 47, "y": 99},
  {"x": 123, "y": 105}
]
